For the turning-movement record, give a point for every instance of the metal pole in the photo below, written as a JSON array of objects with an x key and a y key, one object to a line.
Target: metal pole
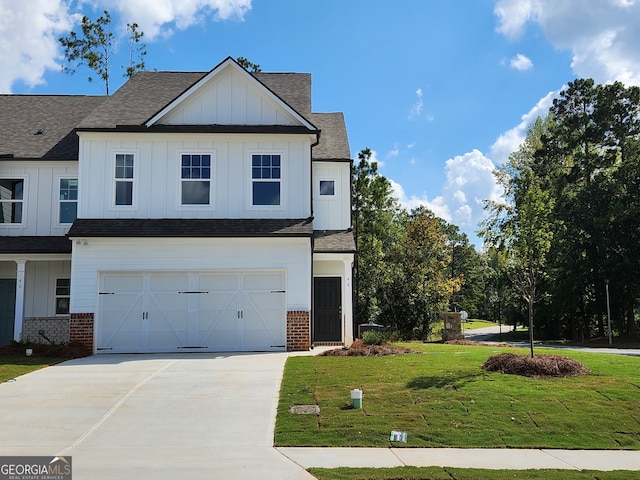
[{"x": 606, "y": 284}]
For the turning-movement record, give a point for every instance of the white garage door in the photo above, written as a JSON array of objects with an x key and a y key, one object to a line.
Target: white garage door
[{"x": 191, "y": 311}]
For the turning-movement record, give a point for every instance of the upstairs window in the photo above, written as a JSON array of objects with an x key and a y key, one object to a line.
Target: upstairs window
[
  {"x": 327, "y": 187},
  {"x": 11, "y": 200},
  {"x": 124, "y": 179},
  {"x": 266, "y": 173},
  {"x": 63, "y": 292},
  {"x": 68, "y": 200},
  {"x": 196, "y": 179}
]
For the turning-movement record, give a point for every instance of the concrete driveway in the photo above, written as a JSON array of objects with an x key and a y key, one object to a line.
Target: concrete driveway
[{"x": 151, "y": 416}]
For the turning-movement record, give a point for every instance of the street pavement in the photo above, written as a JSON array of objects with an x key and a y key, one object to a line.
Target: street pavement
[{"x": 491, "y": 336}]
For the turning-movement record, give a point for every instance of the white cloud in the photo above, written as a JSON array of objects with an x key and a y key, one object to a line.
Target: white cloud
[
  {"x": 416, "y": 110},
  {"x": 438, "y": 205},
  {"x": 521, "y": 62},
  {"x": 157, "y": 17},
  {"x": 469, "y": 181},
  {"x": 601, "y": 34},
  {"x": 509, "y": 141},
  {"x": 29, "y": 32}
]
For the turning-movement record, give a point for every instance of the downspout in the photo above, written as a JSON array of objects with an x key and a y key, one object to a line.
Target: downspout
[
  {"x": 355, "y": 274},
  {"x": 312, "y": 290}
]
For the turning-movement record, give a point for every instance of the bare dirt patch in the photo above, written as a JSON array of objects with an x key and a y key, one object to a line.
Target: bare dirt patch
[
  {"x": 359, "y": 349},
  {"x": 539, "y": 366}
]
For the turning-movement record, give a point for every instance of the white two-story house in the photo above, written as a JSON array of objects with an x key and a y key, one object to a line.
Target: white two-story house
[{"x": 189, "y": 211}]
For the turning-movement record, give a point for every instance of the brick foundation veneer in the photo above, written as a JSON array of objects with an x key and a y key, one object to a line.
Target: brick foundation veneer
[
  {"x": 298, "y": 331},
  {"x": 54, "y": 329},
  {"x": 81, "y": 329}
]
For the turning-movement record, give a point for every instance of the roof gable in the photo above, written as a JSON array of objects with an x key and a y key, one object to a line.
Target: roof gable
[{"x": 228, "y": 95}]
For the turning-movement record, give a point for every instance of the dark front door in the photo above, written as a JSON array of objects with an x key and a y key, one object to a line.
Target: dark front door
[
  {"x": 7, "y": 309},
  {"x": 327, "y": 309}
]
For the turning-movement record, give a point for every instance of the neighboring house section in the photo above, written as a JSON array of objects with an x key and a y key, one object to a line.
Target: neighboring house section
[{"x": 202, "y": 211}]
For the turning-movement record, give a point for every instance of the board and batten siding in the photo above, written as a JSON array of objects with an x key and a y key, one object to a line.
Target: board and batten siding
[
  {"x": 40, "y": 206},
  {"x": 157, "y": 175},
  {"x": 332, "y": 212},
  {"x": 228, "y": 99},
  {"x": 40, "y": 286},
  {"x": 189, "y": 254}
]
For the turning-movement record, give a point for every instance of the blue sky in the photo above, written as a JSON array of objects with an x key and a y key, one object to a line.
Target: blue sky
[{"x": 441, "y": 91}]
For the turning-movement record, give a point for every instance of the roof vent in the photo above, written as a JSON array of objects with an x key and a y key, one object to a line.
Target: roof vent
[{"x": 39, "y": 132}]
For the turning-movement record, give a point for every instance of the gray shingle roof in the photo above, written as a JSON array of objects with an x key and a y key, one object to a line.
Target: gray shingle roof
[
  {"x": 334, "y": 241},
  {"x": 137, "y": 101},
  {"x": 35, "y": 245},
  {"x": 180, "y": 227},
  {"x": 293, "y": 88},
  {"x": 55, "y": 116},
  {"x": 147, "y": 93},
  {"x": 144, "y": 95},
  {"x": 334, "y": 143}
]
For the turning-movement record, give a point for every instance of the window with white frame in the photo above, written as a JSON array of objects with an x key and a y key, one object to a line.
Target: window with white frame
[
  {"x": 124, "y": 179},
  {"x": 11, "y": 200},
  {"x": 266, "y": 175},
  {"x": 68, "y": 200},
  {"x": 196, "y": 179},
  {"x": 63, "y": 292},
  {"x": 327, "y": 187}
]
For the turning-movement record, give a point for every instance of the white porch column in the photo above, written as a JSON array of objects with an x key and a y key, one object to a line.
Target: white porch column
[
  {"x": 20, "y": 274},
  {"x": 347, "y": 302}
]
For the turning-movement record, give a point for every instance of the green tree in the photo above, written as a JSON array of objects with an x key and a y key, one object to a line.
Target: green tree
[
  {"x": 591, "y": 145},
  {"x": 375, "y": 212},
  {"x": 470, "y": 267},
  {"x": 420, "y": 284},
  {"x": 95, "y": 46},
  {"x": 247, "y": 65},
  {"x": 137, "y": 50},
  {"x": 522, "y": 225}
]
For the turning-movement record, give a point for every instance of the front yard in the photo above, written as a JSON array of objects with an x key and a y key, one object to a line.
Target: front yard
[{"x": 442, "y": 398}]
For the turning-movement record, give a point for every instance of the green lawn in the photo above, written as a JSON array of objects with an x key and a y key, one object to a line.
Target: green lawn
[
  {"x": 442, "y": 398},
  {"x": 14, "y": 366},
  {"x": 472, "y": 324},
  {"x": 437, "y": 473}
]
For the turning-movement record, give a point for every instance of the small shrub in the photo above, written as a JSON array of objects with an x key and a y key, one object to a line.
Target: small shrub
[{"x": 371, "y": 337}]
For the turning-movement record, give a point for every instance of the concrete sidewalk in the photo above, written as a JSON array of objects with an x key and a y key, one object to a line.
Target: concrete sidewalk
[{"x": 509, "y": 459}]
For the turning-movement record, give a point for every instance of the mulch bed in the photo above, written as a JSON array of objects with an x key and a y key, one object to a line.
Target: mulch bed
[
  {"x": 539, "y": 366},
  {"x": 66, "y": 351},
  {"x": 359, "y": 349}
]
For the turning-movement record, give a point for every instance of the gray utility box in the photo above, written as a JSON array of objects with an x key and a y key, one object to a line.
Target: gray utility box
[{"x": 365, "y": 327}]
